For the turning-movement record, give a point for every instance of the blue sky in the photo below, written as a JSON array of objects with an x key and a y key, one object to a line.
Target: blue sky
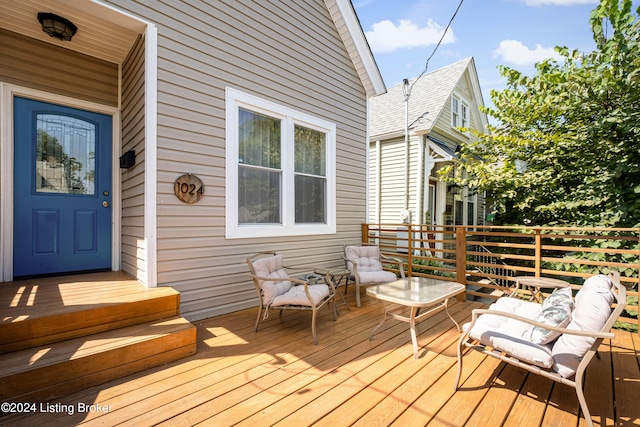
[{"x": 517, "y": 33}]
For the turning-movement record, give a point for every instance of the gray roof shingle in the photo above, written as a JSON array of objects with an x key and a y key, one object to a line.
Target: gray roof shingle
[{"x": 430, "y": 93}]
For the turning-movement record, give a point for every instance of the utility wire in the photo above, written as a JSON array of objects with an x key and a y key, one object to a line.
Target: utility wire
[{"x": 426, "y": 67}]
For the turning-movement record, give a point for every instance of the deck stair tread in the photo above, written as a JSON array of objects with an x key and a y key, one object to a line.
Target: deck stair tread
[
  {"x": 71, "y": 310},
  {"x": 59, "y": 335},
  {"x": 65, "y": 363}
]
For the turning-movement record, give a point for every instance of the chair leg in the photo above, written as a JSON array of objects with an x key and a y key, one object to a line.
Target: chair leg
[
  {"x": 313, "y": 327},
  {"x": 357, "y": 294},
  {"x": 457, "y": 383},
  {"x": 583, "y": 402},
  {"x": 258, "y": 319}
]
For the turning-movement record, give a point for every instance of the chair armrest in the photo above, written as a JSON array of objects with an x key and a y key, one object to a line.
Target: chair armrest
[
  {"x": 394, "y": 261},
  {"x": 595, "y": 334},
  {"x": 280, "y": 279},
  {"x": 296, "y": 282}
]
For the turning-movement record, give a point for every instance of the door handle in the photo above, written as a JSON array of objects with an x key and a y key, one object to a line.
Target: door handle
[{"x": 105, "y": 204}]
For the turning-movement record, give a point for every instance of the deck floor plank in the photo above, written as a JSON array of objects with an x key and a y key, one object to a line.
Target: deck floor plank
[
  {"x": 626, "y": 374},
  {"x": 365, "y": 393},
  {"x": 461, "y": 405},
  {"x": 528, "y": 409},
  {"x": 277, "y": 376},
  {"x": 297, "y": 383},
  {"x": 368, "y": 375},
  {"x": 498, "y": 401}
]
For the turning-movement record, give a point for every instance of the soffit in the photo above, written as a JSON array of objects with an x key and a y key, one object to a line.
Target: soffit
[{"x": 103, "y": 32}]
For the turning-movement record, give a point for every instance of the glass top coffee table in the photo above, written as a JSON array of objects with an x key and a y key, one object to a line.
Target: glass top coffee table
[{"x": 415, "y": 293}]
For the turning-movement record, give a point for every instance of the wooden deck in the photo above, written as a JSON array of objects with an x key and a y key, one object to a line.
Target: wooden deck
[
  {"x": 59, "y": 335},
  {"x": 278, "y": 377}
]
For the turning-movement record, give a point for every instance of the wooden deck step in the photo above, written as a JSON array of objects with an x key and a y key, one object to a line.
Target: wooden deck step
[
  {"x": 47, "y": 372},
  {"x": 37, "y": 312}
]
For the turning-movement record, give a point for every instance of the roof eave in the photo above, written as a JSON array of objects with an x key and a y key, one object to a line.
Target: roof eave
[{"x": 350, "y": 30}]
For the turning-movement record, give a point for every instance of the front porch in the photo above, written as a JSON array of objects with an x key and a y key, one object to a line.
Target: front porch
[{"x": 277, "y": 376}]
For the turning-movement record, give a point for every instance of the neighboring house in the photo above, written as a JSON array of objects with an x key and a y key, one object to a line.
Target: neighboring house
[
  {"x": 403, "y": 170},
  {"x": 160, "y": 140}
]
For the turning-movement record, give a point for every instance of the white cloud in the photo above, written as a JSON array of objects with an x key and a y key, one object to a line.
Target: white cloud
[
  {"x": 559, "y": 2},
  {"x": 386, "y": 37},
  {"x": 514, "y": 52}
]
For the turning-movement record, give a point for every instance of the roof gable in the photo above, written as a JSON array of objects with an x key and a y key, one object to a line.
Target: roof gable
[
  {"x": 350, "y": 30},
  {"x": 428, "y": 98}
]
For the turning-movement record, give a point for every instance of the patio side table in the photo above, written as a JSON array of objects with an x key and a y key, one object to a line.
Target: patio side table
[
  {"x": 339, "y": 278},
  {"x": 533, "y": 285}
]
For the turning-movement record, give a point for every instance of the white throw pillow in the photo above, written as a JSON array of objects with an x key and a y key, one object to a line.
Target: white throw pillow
[{"x": 593, "y": 308}]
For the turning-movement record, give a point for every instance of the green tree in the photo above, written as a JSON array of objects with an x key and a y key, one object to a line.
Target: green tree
[{"x": 566, "y": 146}]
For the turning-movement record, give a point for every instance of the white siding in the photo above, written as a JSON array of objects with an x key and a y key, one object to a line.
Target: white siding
[{"x": 392, "y": 184}]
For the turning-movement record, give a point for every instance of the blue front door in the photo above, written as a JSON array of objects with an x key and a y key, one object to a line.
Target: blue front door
[{"x": 62, "y": 189}]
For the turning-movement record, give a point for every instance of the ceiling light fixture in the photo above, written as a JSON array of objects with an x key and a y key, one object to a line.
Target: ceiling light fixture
[{"x": 57, "y": 26}]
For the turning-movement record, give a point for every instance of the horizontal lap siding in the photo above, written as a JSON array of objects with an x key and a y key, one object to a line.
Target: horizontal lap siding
[
  {"x": 286, "y": 52},
  {"x": 133, "y": 138},
  {"x": 392, "y": 184},
  {"x": 30, "y": 63}
]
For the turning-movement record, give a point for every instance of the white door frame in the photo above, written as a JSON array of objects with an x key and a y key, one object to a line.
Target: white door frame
[{"x": 7, "y": 93}]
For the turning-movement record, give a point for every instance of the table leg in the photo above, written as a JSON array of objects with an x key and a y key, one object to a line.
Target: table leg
[
  {"x": 446, "y": 303},
  {"x": 412, "y": 327},
  {"x": 344, "y": 301},
  {"x": 373, "y": 331}
]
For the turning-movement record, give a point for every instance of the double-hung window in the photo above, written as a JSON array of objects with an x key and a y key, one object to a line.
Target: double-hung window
[
  {"x": 459, "y": 113},
  {"x": 280, "y": 170}
]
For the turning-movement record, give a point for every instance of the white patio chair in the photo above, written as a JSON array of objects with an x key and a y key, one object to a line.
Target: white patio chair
[
  {"x": 556, "y": 339},
  {"x": 277, "y": 290},
  {"x": 364, "y": 263}
]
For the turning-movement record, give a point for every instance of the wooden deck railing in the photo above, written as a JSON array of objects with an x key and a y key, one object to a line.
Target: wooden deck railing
[{"x": 486, "y": 258}]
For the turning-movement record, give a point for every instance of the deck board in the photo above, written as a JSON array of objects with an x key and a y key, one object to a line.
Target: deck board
[{"x": 278, "y": 377}]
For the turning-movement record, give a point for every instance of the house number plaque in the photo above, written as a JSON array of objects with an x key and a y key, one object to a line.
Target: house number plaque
[{"x": 189, "y": 188}]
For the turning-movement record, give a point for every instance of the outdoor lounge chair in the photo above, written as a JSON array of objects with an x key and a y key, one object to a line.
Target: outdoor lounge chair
[
  {"x": 556, "y": 339},
  {"x": 365, "y": 266},
  {"x": 277, "y": 290}
]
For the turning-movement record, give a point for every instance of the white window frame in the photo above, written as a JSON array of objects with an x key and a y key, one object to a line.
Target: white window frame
[
  {"x": 458, "y": 119},
  {"x": 235, "y": 100}
]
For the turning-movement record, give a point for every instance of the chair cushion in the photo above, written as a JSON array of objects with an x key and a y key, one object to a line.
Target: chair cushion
[
  {"x": 592, "y": 310},
  {"x": 367, "y": 258},
  {"x": 297, "y": 296},
  {"x": 271, "y": 267},
  {"x": 509, "y": 335},
  {"x": 556, "y": 311},
  {"x": 375, "y": 277}
]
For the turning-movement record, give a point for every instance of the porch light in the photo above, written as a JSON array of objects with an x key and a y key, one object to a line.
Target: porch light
[
  {"x": 454, "y": 189},
  {"x": 57, "y": 26}
]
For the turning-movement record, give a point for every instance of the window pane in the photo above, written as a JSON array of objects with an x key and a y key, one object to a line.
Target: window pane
[
  {"x": 258, "y": 196},
  {"x": 65, "y": 155},
  {"x": 259, "y": 140},
  {"x": 454, "y": 112},
  {"x": 464, "y": 115},
  {"x": 310, "y": 199},
  {"x": 459, "y": 214},
  {"x": 310, "y": 151}
]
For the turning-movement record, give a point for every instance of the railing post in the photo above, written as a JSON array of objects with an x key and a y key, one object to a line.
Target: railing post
[
  {"x": 538, "y": 253},
  {"x": 461, "y": 259},
  {"x": 364, "y": 233}
]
